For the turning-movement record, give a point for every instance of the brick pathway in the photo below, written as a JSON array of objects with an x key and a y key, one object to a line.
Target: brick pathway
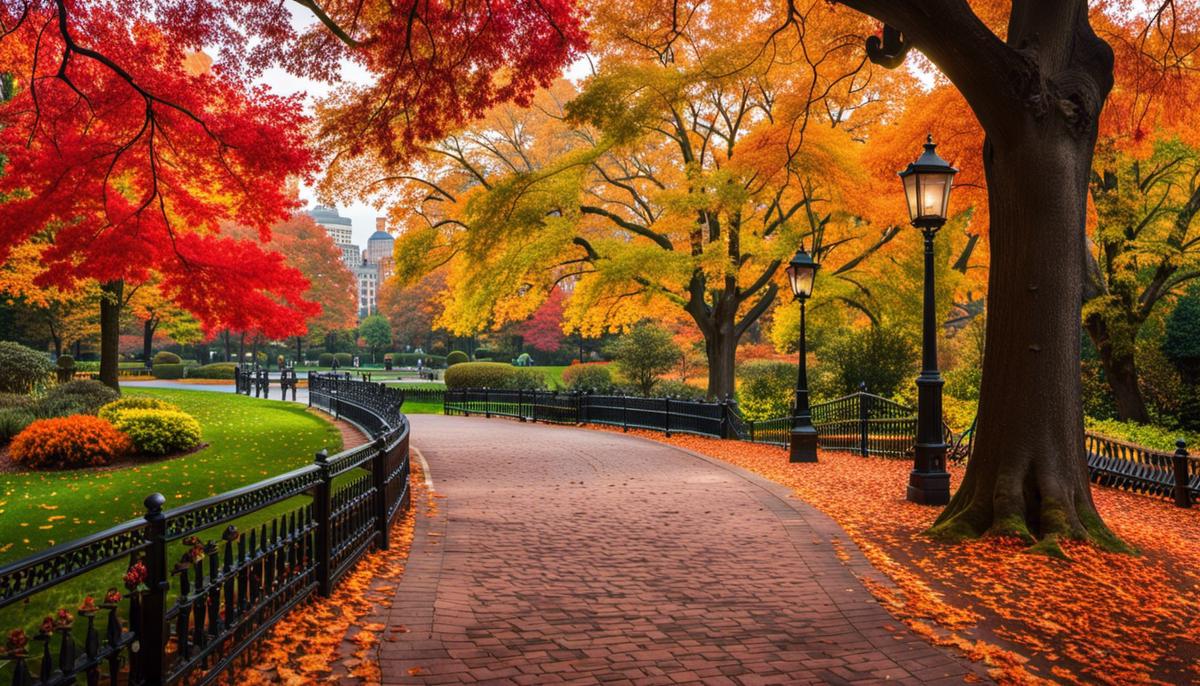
[{"x": 565, "y": 555}]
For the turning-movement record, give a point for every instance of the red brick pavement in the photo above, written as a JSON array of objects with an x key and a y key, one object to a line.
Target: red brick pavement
[{"x": 560, "y": 555}]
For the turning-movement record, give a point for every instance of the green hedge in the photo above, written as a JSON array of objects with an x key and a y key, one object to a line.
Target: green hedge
[
  {"x": 592, "y": 376},
  {"x": 22, "y": 369},
  {"x": 13, "y": 421},
  {"x": 766, "y": 389},
  {"x": 89, "y": 395},
  {"x": 344, "y": 359},
  {"x": 169, "y": 371},
  {"x": 159, "y": 432},
  {"x": 1145, "y": 435},
  {"x": 166, "y": 357},
  {"x": 480, "y": 375},
  {"x": 216, "y": 370},
  {"x": 325, "y": 360},
  {"x": 456, "y": 357}
]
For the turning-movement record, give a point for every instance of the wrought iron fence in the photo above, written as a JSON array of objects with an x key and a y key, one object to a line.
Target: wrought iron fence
[
  {"x": 1139, "y": 469},
  {"x": 861, "y": 422},
  {"x": 244, "y": 559},
  {"x": 670, "y": 415}
]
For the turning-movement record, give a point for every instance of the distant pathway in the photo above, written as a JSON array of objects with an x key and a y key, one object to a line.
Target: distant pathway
[{"x": 565, "y": 555}]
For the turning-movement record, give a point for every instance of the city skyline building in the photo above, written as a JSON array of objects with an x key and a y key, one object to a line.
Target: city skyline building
[{"x": 372, "y": 266}]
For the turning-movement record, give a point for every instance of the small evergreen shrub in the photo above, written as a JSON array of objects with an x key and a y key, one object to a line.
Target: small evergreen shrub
[
  {"x": 344, "y": 359},
  {"x": 159, "y": 432},
  {"x": 68, "y": 442},
  {"x": 456, "y": 357},
  {"x": 16, "y": 400},
  {"x": 593, "y": 376},
  {"x": 169, "y": 371},
  {"x": 65, "y": 362},
  {"x": 644, "y": 354},
  {"x": 526, "y": 380},
  {"x": 22, "y": 370},
  {"x": 49, "y": 408},
  {"x": 89, "y": 395},
  {"x": 166, "y": 357},
  {"x": 325, "y": 360},
  {"x": 13, "y": 421},
  {"x": 216, "y": 370},
  {"x": 677, "y": 390},
  {"x": 480, "y": 375},
  {"x": 134, "y": 402},
  {"x": 766, "y": 389}
]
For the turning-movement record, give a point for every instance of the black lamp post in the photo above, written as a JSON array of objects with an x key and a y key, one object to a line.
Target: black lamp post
[
  {"x": 801, "y": 272},
  {"x": 927, "y": 188}
]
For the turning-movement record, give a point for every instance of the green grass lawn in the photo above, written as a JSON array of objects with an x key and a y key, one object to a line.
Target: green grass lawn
[{"x": 248, "y": 440}]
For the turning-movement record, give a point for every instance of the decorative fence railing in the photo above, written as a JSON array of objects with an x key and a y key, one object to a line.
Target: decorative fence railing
[
  {"x": 669, "y": 415},
  {"x": 861, "y": 422},
  {"x": 423, "y": 395},
  {"x": 1151, "y": 472},
  {"x": 203, "y": 582}
]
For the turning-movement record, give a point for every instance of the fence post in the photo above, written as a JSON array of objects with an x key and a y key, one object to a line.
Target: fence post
[
  {"x": 667, "y": 415},
  {"x": 864, "y": 422},
  {"x": 380, "y": 471},
  {"x": 578, "y": 408},
  {"x": 310, "y": 387},
  {"x": 1183, "y": 495},
  {"x": 624, "y": 412},
  {"x": 725, "y": 405},
  {"x": 152, "y": 641},
  {"x": 322, "y": 511},
  {"x": 487, "y": 406},
  {"x": 521, "y": 403}
]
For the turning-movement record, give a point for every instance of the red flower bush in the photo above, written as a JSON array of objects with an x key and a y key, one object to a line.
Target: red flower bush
[{"x": 66, "y": 442}]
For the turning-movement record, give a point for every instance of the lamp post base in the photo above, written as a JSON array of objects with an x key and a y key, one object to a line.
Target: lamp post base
[
  {"x": 928, "y": 488},
  {"x": 802, "y": 446}
]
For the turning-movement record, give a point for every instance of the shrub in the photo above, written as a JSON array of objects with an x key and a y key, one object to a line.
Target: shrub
[
  {"x": 159, "y": 432},
  {"x": 456, "y": 357},
  {"x": 344, "y": 359},
  {"x": 526, "y": 380},
  {"x": 593, "y": 376},
  {"x": 480, "y": 375},
  {"x": 90, "y": 395},
  {"x": 958, "y": 414},
  {"x": 485, "y": 354},
  {"x": 13, "y": 421},
  {"x": 766, "y": 389},
  {"x": 65, "y": 362},
  {"x": 1153, "y": 437},
  {"x": 165, "y": 357},
  {"x": 644, "y": 354},
  {"x": 882, "y": 357},
  {"x": 15, "y": 400},
  {"x": 22, "y": 370},
  {"x": 325, "y": 360},
  {"x": 670, "y": 388},
  {"x": 67, "y": 442},
  {"x": 136, "y": 402},
  {"x": 169, "y": 371},
  {"x": 216, "y": 370},
  {"x": 49, "y": 408}
]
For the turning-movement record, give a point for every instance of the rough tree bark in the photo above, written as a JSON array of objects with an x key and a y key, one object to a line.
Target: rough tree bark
[
  {"x": 1037, "y": 95},
  {"x": 148, "y": 329},
  {"x": 111, "y": 299}
]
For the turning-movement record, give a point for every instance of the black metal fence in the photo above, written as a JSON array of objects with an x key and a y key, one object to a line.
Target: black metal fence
[
  {"x": 669, "y": 415},
  {"x": 1151, "y": 472},
  {"x": 194, "y": 587},
  {"x": 861, "y": 422}
]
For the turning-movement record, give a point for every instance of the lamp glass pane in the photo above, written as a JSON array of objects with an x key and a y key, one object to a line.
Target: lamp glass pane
[
  {"x": 802, "y": 280},
  {"x": 934, "y": 189},
  {"x": 910, "y": 194}
]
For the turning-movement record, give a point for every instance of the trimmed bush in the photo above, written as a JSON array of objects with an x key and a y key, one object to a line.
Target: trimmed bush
[
  {"x": 166, "y": 357},
  {"x": 344, "y": 359},
  {"x": 593, "y": 376},
  {"x": 766, "y": 389},
  {"x": 216, "y": 370},
  {"x": 135, "y": 402},
  {"x": 69, "y": 442},
  {"x": 159, "y": 432},
  {"x": 678, "y": 389},
  {"x": 169, "y": 371},
  {"x": 16, "y": 400},
  {"x": 526, "y": 380},
  {"x": 13, "y": 421},
  {"x": 456, "y": 357},
  {"x": 325, "y": 360},
  {"x": 22, "y": 370},
  {"x": 65, "y": 362},
  {"x": 90, "y": 395},
  {"x": 485, "y": 354},
  {"x": 479, "y": 375}
]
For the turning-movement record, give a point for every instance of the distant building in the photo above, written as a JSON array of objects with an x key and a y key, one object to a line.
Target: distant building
[
  {"x": 340, "y": 230},
  {"x": 379, "y": 249}
]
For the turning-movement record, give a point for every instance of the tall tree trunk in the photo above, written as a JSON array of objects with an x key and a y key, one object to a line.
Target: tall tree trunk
[
  {"x": 299, "y": 350},
  {"x": 111, "y": 293},
  {"x": 228, "y": 344},
  {"x": 148, "y": 328},
  {"x": 721, "y": 350},
  {"x": 1120, "y": 370}
]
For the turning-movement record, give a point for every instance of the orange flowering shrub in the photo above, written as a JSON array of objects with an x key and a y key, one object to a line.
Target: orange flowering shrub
[{"x": 65, "y": 442}]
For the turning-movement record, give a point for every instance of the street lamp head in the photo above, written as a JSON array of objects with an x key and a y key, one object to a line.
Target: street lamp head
[
  {"x": 800, "y": 272},
  {"x": 927, "y": 186}
]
